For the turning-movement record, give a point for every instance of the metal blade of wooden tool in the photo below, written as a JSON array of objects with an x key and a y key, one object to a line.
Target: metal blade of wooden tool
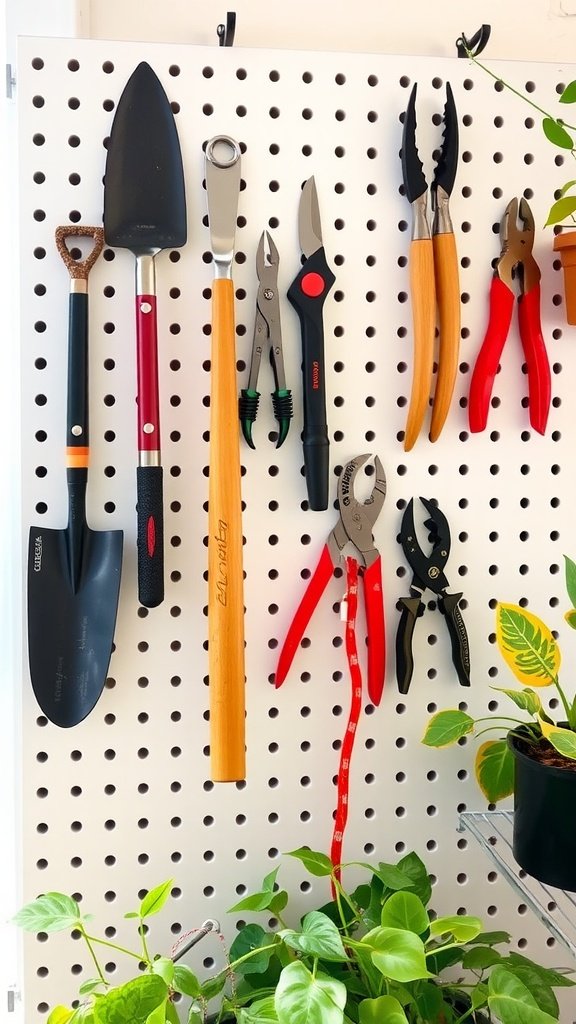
[
  {"x": 225, "y": 578},
  {"x": 73, "y": 574},
  {"x": 145, "y": 211}
]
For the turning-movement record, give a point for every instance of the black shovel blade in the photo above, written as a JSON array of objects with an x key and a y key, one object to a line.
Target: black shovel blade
[
  {"x": 71, "y": 626},
  {"x": 144, "y": 198}
]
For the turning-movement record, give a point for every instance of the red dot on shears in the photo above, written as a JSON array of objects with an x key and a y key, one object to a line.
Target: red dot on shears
[{"x": 312, "y": 284}]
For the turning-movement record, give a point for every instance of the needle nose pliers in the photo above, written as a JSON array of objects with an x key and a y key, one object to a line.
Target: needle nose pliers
[
  {"x": 516, "y": 262},
  {"x": 355, "y": 524},
  {"x": 428, "y": 574},
  {"x": 267, "y": 327},
  {"x": 433, "y": 272}
]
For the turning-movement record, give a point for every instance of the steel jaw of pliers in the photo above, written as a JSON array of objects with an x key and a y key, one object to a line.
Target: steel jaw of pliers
[
  {"x": 267, "y": 327},
  {"x": 428, "y": 573},
  {"x": 355, "y": 525},
  {"x": 516, "y": 264},
  {"x": 433, "y": 273}
]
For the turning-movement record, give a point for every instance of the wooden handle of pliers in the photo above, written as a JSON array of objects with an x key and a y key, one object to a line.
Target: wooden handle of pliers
[
  {"x": 448, "y": 299},
  {"x": 225, "y": 579},
  {"x": 423, "y": 297}
]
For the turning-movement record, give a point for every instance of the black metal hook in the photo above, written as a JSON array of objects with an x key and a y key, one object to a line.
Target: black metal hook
[
  {"x": 226, "y": 32},
  {"x": 476, "y": 44}
]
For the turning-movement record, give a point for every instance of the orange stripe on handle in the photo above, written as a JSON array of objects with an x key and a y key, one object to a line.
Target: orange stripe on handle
[{"x": 77, "y": 458}]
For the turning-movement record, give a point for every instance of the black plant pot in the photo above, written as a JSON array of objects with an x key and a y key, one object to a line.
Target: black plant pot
[{"x": 544, "y": 836}]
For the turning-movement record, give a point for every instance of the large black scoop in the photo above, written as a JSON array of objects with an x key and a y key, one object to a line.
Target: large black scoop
[
  {"x": 145, "y": 211},
  {"x": 73, "y": 574}
]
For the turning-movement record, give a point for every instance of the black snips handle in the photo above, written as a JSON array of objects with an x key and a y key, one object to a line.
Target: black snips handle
[
  {"x": 307, "y": 294},
  {"x": 410, "y": 609},
  {"x": 450, "y": 608}
]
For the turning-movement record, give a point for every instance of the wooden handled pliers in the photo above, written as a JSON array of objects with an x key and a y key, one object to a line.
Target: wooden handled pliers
[
  {"x": 516, "y": 263},
  {"x": 355, "y": 525},
  {"x": 433, "y": 273}
]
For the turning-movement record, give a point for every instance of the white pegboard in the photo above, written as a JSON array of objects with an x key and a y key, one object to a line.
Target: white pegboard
[{"x": 124, "y": 800}]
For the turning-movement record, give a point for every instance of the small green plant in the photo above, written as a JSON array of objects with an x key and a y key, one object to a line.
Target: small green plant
[
  {"x": 556, "y": 130},
  {"x": 376, "y": 955},
  {"x": 530, "y": 650}
]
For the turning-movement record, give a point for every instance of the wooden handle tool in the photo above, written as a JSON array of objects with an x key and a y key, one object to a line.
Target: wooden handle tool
[
  {"x": 225, "y": 574},
  {"x": 448, "y": 298},
  {"x": 423, "y": 296}
]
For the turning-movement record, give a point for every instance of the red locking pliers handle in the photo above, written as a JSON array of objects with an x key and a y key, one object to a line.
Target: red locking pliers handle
[{"x": 515, "y": 260}]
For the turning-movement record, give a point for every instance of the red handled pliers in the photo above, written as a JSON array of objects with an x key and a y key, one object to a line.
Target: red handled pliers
[
  {"x": 516, "y": 262},
  {"x": 355, "y": 525}
]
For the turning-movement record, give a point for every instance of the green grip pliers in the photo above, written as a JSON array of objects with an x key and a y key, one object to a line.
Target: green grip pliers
[{"x": 266, "y": 327}]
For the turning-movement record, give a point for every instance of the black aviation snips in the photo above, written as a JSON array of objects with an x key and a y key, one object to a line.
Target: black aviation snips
[{"x": 73, "y": 574}]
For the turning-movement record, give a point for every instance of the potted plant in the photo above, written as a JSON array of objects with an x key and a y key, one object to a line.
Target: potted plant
[
  {"x": 376, "y": 955},
  {"x": 534, "y": 758},
  {"x": 563, "y": 209}
]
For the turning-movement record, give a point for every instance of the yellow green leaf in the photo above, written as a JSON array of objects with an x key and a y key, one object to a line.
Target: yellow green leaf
[
  {"x": 494, "y": 768},
  {"x": 570, "y": 617},
  {"x": 60, "y": 1015},
  {"x": 563, "y": 740},
  {"x": 527, "y": 645}
]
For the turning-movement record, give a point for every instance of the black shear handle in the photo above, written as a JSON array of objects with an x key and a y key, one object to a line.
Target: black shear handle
[
  {"x": 410, "y": 609},
  {"x": 307, "y": 294},
  {"x": 450, "y": 608}
]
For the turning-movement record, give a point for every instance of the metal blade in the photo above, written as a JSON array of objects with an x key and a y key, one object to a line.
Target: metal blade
[
  {"x": 309, "y": 226},
  {"x": 448, "y": 160},
  {"x": 144, "y": 197},
  {"x": 222, "y": 191},
  {"x": 412, "y": 170}
]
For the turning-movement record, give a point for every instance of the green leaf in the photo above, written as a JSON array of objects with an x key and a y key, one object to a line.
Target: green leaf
[
  {"x": 383, "y": 1010},
  {"x": 213, "y": 986},
  {"x": 250, "y": 938},
  {"x": 316, "y": 863},
  {"x": 303, "y": 998},
  {"x": 195, "y": 1014},
  {"x": 556, "y": 133},
  {"x": 479, "y": 995},
  {"x": 256, "y": 902},
  {"x": 570, "y": 617},
  {"x": 171, "y": 1013},
  {"x": 392, "y": 876},
  {"x": 479, "y": 958},
  {"x": 566, "y": 188},
  {"x": 462, "y": 927},
  {"x": 492, "y": 938},
  {"x": 398, "y": 955},
  {"x": 164, "y": 966},
  {"x": 527, "y": 645},
  {"x": 60, "y": 1015},
  {"x": 158, "y": 1015},
  {"x": 155, "y": 899},
  {"x": 132, "y": 1002},
  {"x": 525, "y": 699},
  {"x": 494, "y": 768},
  {"x": 512, "y": 1002},
  {"x": 538, "y": 985},
  {"x": 429, "y": 1001},
  {"x": 262, "y": 1011},
  {"x": 561, "y": 210},
  {"x": 405, "y": 910},
  {"x": 570, "y": 568},
  {"x": 548, "y": 974},
  {"x": 185, "y": 981},
  {"x": 270, "y": 881},
  {"x": 563, "y": 740},
  {"x": 89, "y": 986},
  {"x": 569, "y": 93},
  {"x": 319, "y": 937},
  {"x": 446, "y": 727},
  {"x": 278, "y": 902},
  {"x": 415, "y": 868},
  {"x": 52, "y": 912}
]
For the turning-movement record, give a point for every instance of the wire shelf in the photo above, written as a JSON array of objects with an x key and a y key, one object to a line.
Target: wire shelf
[{"x": 555, "y": 908}]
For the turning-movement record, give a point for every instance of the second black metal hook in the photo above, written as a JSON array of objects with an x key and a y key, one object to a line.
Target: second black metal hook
[{"x": 476, "y": 44}]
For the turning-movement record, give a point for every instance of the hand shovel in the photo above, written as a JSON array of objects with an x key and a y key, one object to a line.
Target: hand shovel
[
  {"x": 145, "y": 211},
  {"x": 73, "y": 574}
]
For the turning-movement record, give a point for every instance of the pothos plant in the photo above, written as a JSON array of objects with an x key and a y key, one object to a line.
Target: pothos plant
[
  {"x": 530, "y": 650},
  {"x": 556, "y": 129},
  {"x": 376, "y": 955}
]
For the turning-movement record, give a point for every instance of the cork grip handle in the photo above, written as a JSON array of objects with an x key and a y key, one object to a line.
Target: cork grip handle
[
  {"x": 448, "y": 297},
  {"x": 422, "y": 293},
  {"x": 225, "y": 579}
]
